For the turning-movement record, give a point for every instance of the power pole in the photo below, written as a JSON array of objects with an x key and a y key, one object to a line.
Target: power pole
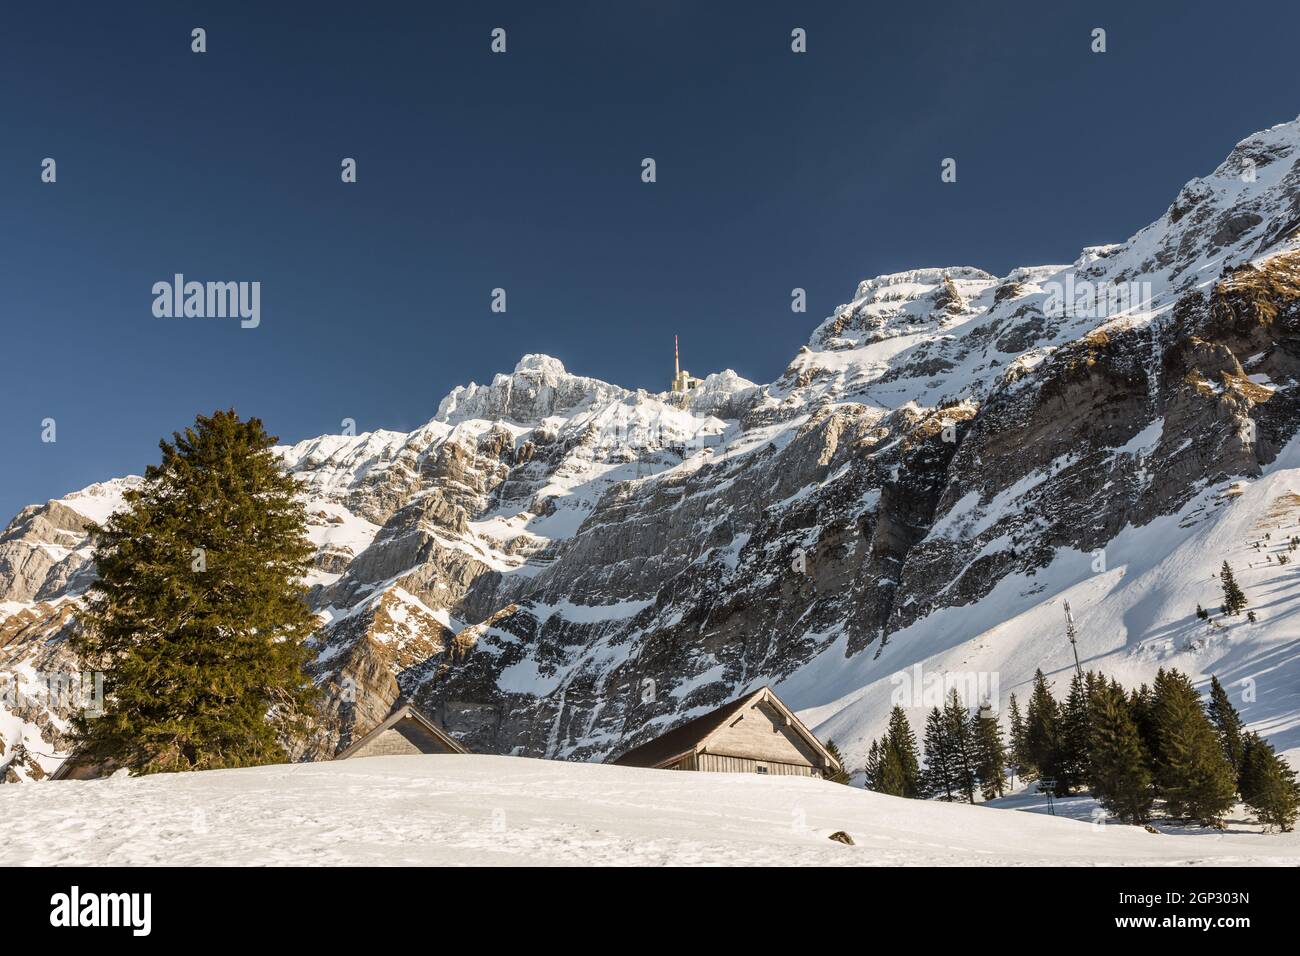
[{"x": 1072, "y": 637}]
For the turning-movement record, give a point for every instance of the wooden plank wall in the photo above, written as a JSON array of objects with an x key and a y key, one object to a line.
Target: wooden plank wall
[{"x": 722, "y": 763}]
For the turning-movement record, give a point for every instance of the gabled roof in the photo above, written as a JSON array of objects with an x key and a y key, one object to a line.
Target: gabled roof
[
  {"x": 693, "y": 736},
  {"x": 405, "y": 712}
]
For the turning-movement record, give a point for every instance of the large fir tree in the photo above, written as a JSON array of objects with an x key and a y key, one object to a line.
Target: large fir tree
[
  {"x": 198, "y": 618},
  {"x": 1193, "y": 775},
  {"x": 900, "y": 742},
  {"x": 1227, "y": 723},
  {"x": 1268, "y": 785},
  {"x": 1119, "y": 769}
]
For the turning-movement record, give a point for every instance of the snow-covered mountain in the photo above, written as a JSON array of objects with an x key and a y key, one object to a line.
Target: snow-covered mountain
[{"x": 556, "y": 566}]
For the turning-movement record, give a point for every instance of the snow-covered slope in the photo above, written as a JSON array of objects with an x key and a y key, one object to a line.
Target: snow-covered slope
[
  {"x": 459, "y": 810},
  {"x": 1134, "y": 604},
  {"x": 557, "y": 566}
]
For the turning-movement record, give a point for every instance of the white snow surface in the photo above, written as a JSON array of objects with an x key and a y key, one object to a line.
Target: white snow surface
[{"x": 490, "y": 810}]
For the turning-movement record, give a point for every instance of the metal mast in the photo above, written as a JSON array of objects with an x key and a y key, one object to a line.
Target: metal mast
[{"x": 1072, "y": 637}]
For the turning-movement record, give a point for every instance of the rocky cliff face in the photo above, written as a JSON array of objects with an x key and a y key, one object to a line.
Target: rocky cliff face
[{"x": 556, "y": 566}]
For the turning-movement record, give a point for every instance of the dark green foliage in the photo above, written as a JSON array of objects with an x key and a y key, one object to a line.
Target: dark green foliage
[
  {"x": 1021, "y": 765},
  {"x": 1268, "y": 785},
  {"x": 900, "y": 754},
  {"x": 937, "y": 778},
  {"x": 1227, "y": 723},
  {"x": 1119, "y": 771},
  {"x": 841, "y": 775},
  {"x": 990, "y": 754},
  {"x": 1042, "y": 731},
  {"x": 198, "y": 619},
  {"x": 1141, "y": 706},
  {"x": 961, "y": 743},
  {"x": 1073, "y": 739},
  {"x": 1234, "y": 601},
  {"x": 872, "y": 768},
  {"x": 1193, "y": 775}
]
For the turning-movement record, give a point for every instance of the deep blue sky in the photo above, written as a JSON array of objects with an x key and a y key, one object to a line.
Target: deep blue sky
[{"x": 523, "y": 171}]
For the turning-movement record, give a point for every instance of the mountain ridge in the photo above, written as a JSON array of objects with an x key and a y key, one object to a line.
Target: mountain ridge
[{"x": 557, "y": 566}]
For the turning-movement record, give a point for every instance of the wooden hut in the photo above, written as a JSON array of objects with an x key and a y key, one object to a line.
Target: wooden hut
[
  {"x": 752, "y": 734},
  {"x": 405, "y": 731}
]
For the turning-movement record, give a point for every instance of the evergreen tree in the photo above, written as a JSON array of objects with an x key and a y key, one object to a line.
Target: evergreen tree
[
  {"x": 1019, "y": 751},
  {"x": 891, "y": 772},
  {"x": 1041, "y": 730},
  {"x": 937, "y": 778},
  {"x": 872, "y": 768},
  {"x": 841, "y": 775},
  {"x": 1227, "y": 722},
  {"x": 961, "y": 743},
  {"x": 1119, "y": 770},
  {"x": 198, "y": 619},
  {"x": 901, "y": 743},
  {"x": 990, "y": 754},
  {"x": 1268, "y": 785},
  {"x": 1073, "y": 739},
  {"x": 1141, "y": 708},
  {"x": 1192, "y": 773},
  {"x": 1234, "y": 601}
]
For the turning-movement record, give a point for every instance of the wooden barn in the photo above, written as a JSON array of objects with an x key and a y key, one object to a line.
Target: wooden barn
[
  {"x": 405, "y": 731},
  {"x": 752, "y": 734}
]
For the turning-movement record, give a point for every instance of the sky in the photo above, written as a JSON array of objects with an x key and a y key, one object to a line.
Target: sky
[{"x": 523, "y": 171}]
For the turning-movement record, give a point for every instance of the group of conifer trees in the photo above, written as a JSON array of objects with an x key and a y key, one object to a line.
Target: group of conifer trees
[
  {"x": 1157, "y": 744},
  {"x": 965, "y": 754}
]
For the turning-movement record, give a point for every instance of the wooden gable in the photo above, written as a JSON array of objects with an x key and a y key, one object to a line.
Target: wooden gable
[
  {"x": 405, "y": 731},
  {"x": 753, "y": 734}
]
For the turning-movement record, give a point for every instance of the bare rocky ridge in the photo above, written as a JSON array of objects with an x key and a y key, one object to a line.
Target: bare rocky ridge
[{"x": 555, "y": 566}]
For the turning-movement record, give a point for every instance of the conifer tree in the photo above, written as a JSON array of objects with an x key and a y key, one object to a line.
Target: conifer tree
[
  {"x": 990, "y": 754},
  {"x": 198, "y": 619},
  {"x": 938, "y": 777},
  {"x": 961, "y": 743},
  {"x": 901, "y": 743},
  {"x": 891, "y": 772},
  {"x": 1192, "y": 773},
  {"x": 1227, "y": 722},
  {"x": 872, "y": 768},
  {"x": 1234, "y": 601},
  {"x": 1018, "y": 751},
  {"x": 1268, "y": 785},
  {"x": 841, "y": 775},
  {"x": 1073, "y": 739},
  {"x": 1141, "y": 708},
  {"x": 1041, "y": 730},
  {"x": 1119, "y": 769}
]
